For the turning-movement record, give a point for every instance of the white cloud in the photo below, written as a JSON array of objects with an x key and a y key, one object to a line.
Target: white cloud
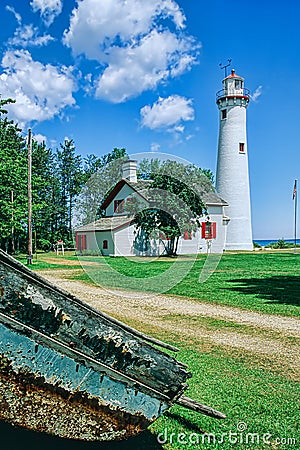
[
  {"x": 13, "y": 11},
  {"x": 133, "y": 43},
  {"x": 154, "y": 147},
  {"x": 94, "y": 30},
  {"x": 48, "y": 9},
  {"x": 134, "y": 69},
  {"x": 28, "y": 35},
  {"x": 41, "y": 91},
  {"x": 168, "y": 113},
  {"x": 40, "y": 138},
  {"x": 257, "y": 93}
]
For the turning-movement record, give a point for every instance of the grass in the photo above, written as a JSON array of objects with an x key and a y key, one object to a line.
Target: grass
[
  {"x": 252, "y": 389},
  {"x": 264, "y": 401},
  {"x": 265, "y": 282}
]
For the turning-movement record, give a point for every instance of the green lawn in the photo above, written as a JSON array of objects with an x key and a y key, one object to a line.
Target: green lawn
[
  {"x": 259, "y": 400},
  {"x": 266, "y": 282},
  {"x": 258, "y": 393}
]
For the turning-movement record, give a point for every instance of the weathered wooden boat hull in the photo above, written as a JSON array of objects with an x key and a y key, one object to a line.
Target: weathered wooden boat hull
[
  {"x": 72, "y": 371},
  {"x": 47, "y": 387}
]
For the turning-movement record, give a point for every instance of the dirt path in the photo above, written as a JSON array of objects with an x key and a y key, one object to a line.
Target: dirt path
[{"x": 262, "y": 334}]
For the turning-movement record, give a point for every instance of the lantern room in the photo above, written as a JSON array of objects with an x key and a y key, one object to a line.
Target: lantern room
[{"x": 233, "y": 86}]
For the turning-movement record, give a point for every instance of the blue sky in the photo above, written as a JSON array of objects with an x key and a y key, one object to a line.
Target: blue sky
[{"x": 143, "y": 75}]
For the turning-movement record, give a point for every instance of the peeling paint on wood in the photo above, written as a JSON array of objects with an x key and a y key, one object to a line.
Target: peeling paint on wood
[{"x": 69, "y": 370}]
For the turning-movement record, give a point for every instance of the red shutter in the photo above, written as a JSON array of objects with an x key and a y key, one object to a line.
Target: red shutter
[
  {"x": 209, "y": 230},
  {"x": 83, "y": 242},
  {"x": 203, "y": 233},
  {"x": 77, "y": 241},
  {"x": 213, "y": 230}
]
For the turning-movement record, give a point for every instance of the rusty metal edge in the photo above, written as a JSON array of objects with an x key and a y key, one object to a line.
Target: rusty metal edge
[{"x": 89, "y": 361}]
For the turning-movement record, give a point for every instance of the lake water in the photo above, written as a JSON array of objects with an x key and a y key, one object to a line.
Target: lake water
[{"x": 265, "y": 242}]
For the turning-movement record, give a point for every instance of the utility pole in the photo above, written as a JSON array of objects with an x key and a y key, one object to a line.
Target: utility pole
[
  {"x": 29, "y": 252},
  {"x": 12, "y": 222}
]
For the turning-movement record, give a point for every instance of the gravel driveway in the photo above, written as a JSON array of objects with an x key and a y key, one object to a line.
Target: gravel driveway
[{"x": 275, "y": 337}]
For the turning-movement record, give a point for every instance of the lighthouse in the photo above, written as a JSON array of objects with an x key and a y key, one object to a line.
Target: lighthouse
[{"x": 232, "y": 178}]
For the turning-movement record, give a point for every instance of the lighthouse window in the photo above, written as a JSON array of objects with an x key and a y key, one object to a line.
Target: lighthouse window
[
  {"x": 242, "y": 147},
  {"x": 224, "y": 113}
]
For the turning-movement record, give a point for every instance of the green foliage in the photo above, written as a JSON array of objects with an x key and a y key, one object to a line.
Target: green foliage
[
  {"x": 175, "y": 196},
  {"x": 257, "y": 245},
  {"x": 281, "y": 244},
  {"x": 13, "y": 169},
  {"x": 57, "y": 179},
  {"x": 148, "y": 166},
  {"x": 70, "y": 176},
  {"x": 99, "y": 185}
]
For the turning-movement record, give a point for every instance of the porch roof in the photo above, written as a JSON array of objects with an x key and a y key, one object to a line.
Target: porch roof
[{"x": 107, "y": 224}]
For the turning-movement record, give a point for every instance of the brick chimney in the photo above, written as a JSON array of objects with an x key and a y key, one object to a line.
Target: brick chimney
[{"x": 129, "y": 170}]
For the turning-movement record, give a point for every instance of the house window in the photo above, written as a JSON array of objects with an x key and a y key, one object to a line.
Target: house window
[
  {"x": 118, "y": 206},
  {"x": 105, "y": 244},
  {"x": 224, "y": 113},
  {"x": 209, "y": 230},
  {"x": 187, "y": 235},
  {"x": 242, "y": 147}
]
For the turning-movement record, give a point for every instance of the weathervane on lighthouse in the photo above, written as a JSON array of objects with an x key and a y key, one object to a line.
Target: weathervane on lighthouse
[
  {"x": 225, "y": 67},
  {"x": 232, "y": 178}
]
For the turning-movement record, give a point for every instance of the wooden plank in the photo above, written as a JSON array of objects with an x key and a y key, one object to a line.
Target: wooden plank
[{"x": 193, "y": 405}]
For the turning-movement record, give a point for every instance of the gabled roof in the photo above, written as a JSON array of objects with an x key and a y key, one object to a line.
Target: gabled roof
[
  {"x": 205, "y": 190},
  {"x": 140, "y": 187},
  {"x": 107, "y": 224}
]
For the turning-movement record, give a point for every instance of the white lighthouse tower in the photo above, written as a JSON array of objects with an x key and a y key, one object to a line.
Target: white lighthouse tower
[{"x": 232, "y": 180}]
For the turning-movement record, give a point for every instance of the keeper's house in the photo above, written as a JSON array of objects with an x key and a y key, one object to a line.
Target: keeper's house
[{"x": 116, "y": 234}]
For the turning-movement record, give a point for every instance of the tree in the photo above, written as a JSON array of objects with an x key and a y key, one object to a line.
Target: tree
[
  {"x": 70, "y": 176},
  {"x": 46, "y": 194},
  {"x": 57, "y": 180},
  {"x": 104, "y": 173},
  {"x": 175, "y": 203},
  {"x": 13, "y": 187}
]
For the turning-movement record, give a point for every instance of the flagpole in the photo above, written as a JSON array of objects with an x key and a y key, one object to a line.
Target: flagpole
[{"x": 295, "y": 217}]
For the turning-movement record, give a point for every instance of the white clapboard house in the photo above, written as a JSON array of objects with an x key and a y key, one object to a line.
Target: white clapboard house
[{"x": 116, "y": 234}]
